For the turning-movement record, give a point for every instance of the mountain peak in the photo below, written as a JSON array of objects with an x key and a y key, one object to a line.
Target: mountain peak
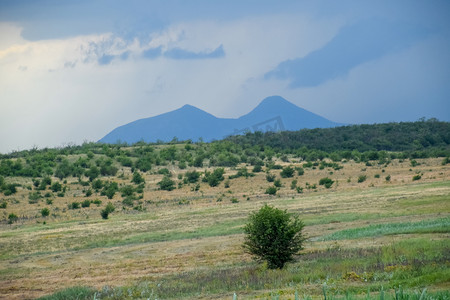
[{"x": 189, "y": 122}]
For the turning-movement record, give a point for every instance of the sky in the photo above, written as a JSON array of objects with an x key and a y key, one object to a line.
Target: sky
[{"x": 72, "y": 71}]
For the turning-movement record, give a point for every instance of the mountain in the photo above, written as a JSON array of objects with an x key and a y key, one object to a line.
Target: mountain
[{"x": 188, "y": 122}]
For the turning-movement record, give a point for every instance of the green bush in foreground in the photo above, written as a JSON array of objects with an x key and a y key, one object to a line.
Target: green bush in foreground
[
  {"x": 72, "y": 293},
  {"x": 274, "y": 236}
]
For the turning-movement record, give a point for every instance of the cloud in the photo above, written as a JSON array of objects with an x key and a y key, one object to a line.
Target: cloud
[
  {"x": 152, "y": 53},
  {"x": 178, "y": 53},
  {"x": 354, "y": 45},
  {"x": 105, "y": 59}
]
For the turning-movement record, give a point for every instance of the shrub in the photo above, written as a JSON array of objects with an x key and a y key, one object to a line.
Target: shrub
[
  {"x": 74, "y": 205},
  {"x": 56, "y": 187},
  {"x": 3, "y": 204},
  {"x": 270, "y": 177},
  {"x": 137, "y": 178},
  {"x": 234, "y": 200},
  {"x": 86, "y": 203},
  {"x": 300, "y": 171},
  {"x": 166, "y": 184},
  {"x": 33, "y": 197},
  {"x": 165, "y": 171},
  {"x": 299, "y": 190},
  {"x": 45, "y": 212},
  {"x": 362, "y": 178},
  {"x": 416, "y": 177},
  {"x": 272, "y": 190},
  {"x": 12, "y": 218},
  {"x": 107, "y": 210},
  {"x": 287, "y": 172},
  {"x": 293, "y": 184},
  {"x": 192, "y": 177},
  {"x": 97, "y": 202},
  {"x": 277, "y": 183},
  {"x": 388, "y": 178},
  {"x": 215, "y": 177},
  {"x": 257, "y": 169},
  {"x": 327, "y": 182},
  {"x": 274, "y": 236}
]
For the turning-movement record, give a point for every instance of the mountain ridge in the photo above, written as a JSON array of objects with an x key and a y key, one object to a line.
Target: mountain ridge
[{"x": 188, "y": 122}]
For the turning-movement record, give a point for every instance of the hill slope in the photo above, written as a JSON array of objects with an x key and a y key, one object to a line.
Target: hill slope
[{"x": 188, "y": 122}]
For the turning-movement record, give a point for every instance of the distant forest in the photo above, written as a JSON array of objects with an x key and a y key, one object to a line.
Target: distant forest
[
  {"x": 379, "y": 142},
  {"x": 408, "y": 136}
]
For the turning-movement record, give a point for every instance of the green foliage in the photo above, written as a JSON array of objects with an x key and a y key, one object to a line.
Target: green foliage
[
  {"x": 277, "y": 183},
  {"x": 33, "y": 197},
  {"x": 388, "y": 178},
  {"x": 56, "y": 187},
  {"x": 166, "y": 184},
  {"x": 416, "y": 177},
  {"x": 270, "y": 177},
  {"x": 74, "y": 205},
  {"x": 300, "y": 171},
  {"x": 45, "y": 212},
  {"x": 271, "y": 190},
  {"x": 107, "y": 167},
  {"x": 165, "y": 171},
  {"x": 274, "y": 236},
  {"x": 137, "y": 178},
  {"x": 127, "y": 190},
  {"x": 293, "y": 184},
  {"x": 97, "y": 202},
  {"x": 97, "y": 184},
  {"x": 12, "y": 218},
  {"x": 9, "y": 188},
  {"x": 4, "y": 204},
  {"x": 107, "y": 210},
  {"x": 192, "y": 176},
  {"x": 110, "y": 189},
  {"x": 327, "y": 182},
  {"x": 257, "y": 169},
  {"x": 242, "y": 172},
  {"x": 92, "y": 173},
  {"x": 72, "y": 293},
  {"x": 86, "y": 203},
  {"x": 362, "y": 178},
  {"x": 287, "y": 172},
  {"x": 446, "y": 161},
  {"x": 214, "y": 178}
]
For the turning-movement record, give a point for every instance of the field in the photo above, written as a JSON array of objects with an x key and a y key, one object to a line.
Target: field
[{"x": 378, "y": 226}]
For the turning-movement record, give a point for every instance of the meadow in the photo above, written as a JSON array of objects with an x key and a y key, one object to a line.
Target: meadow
[{"x": 376, "y": 231}]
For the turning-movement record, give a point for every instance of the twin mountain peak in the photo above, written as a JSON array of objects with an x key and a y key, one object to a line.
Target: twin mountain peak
[{"x": 191, "y": 123}]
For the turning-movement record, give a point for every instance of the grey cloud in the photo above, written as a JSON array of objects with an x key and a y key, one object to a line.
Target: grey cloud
[
  {"x": 178, "y": 53},
  {"x": 354, "y": 45}
]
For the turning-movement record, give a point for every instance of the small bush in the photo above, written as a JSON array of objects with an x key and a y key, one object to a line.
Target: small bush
[
  {"x": 45, "y": 212},
  {"x": 107, "y": 210},
  {"x": 362, "y": 178},
  {"x": 300, "y": 171},
  {"x": 388, "y": 178},
  {"x": 299, "y": 190},
  {"x": 3, "y": 204},
  {"x": 274, "y": 236},
  {"x": 327, "y": 182},
  {"x": 287, "y": 172},
  {"x": 416, "y": 177},
  {"x": 74, "y": 205},
  {"x": 97, "y": 202},
  {"x": 277, "y": 183},
  {"x": 12, "y": 218},
  {"x": 234, "y": 200},
  {"x": 293, "y": 184},
  {"x": 270, "y": 177},
  {"x": 137, "y": 178},
  {"x": 166, "y": 184},
  {"x": 272, "y": 190},
  {"x": 86, "y": 203}
]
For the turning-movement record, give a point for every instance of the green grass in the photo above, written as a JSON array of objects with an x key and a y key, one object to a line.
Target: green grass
[
  {"x": 72, "y": 293},
  {"x": 345, "y": 273},
  {"x": 427, "y": 226}
]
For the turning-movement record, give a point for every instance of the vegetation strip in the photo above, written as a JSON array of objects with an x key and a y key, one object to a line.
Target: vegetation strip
[{"x": 427, "y": 226}]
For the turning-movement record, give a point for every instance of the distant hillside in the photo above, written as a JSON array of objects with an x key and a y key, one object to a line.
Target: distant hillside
[
  {"x": 406, "y": 136},
  {"x": 190, "y": 123}
]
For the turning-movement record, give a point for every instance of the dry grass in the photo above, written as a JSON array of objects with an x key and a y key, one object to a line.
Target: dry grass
[{"x": 77, "y": 247}]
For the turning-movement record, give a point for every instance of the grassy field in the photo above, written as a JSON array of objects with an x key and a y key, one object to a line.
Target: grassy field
[{"x": 372, "y": 235}]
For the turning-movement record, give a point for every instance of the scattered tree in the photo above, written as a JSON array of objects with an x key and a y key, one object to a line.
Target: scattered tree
[{"x": 274, "y": 236}]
